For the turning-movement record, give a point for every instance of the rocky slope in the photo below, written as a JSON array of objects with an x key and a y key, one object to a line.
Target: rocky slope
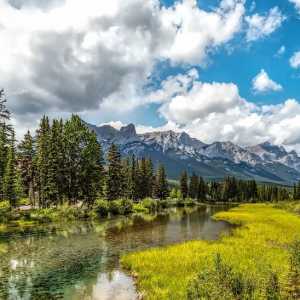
[{"x": 179, "y": 151}]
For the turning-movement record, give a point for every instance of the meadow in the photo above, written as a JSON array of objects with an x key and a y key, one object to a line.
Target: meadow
[{"x": 260, "y": 259}]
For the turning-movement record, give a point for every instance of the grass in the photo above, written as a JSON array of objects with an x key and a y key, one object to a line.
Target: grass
[{"x": 257, "y": 255}]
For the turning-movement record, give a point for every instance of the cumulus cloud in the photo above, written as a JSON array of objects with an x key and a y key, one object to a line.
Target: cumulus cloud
[
  {"x": 295, "y": 60},
  {"x": 297, "y": 4},
  {"x": 216, "y": 112},
  {"x": 72, "y": 56},
  {"x": 260, "y": 26},
  {"x": 262, "y": 83},
  {"x": 197, "y": 31}
]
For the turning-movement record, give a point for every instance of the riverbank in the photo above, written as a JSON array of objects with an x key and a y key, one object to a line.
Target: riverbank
[
  {"x": 25, "y": 215},
  {"x": 260, "y": 259}
]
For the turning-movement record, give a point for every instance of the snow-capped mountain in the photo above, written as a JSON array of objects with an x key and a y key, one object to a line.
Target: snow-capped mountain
[{"x": 179, "y": 151}]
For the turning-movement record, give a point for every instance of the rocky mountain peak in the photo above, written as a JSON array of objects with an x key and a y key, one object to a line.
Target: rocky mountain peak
[{"x": 128, "y": 131}]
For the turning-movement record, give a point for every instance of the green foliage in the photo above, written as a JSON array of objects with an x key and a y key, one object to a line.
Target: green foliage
[
  {"x": 151, "y": 204},
  {"x": 114, "y": 175},
  {"x": 10, "y": 176},
  {"x": 184, "y": 189},
  {"x": 102, "y": 207},
  {"x": 161, "y": 187},
  {"x": 26, "y": 156},
  {"x": 254, "y": 260},
  {"x": 194, "y": 186},
  {"x": 58, "y": 214},
  {"x": 115, "y": 207},
  {"x": 221, "y": 282}
]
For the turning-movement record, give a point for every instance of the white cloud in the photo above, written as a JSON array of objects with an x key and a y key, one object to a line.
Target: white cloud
[
  {"x": 280, "y": 51},
  {"x": 72, "y": 56},
  {"x": 260, "y": 26},
  {"x": 295, "y": 60},
  {"x": 200, "y": 101},
  {"x": 297, "y": 4},
  {"x": 216, "y": 112},
  {"x": 196, "y": 32},
  {"x": 262, "y": 83}
]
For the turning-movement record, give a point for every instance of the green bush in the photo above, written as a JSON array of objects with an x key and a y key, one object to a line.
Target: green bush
[
  {"x": 116, "y": 207},
  {"x": 220, "y": 283},
  {"x": 140, "y": 208},
  {"x": 24, "y": 201},
  {"x": 102, "y": 207},
  {"x": 150, "y": 204},
  {"x": 4, "y": 210},
  {"x": 127, "y": 206}
]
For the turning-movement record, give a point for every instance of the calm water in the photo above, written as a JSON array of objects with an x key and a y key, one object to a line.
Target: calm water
[{"x": 81, "y": 260}]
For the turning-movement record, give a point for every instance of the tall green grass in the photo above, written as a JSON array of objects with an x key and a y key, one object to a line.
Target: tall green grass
[{"x": 256, "y": 260}]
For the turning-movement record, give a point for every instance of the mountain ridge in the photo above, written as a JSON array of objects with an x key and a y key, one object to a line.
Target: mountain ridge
[{"x": 178, "y": 151}]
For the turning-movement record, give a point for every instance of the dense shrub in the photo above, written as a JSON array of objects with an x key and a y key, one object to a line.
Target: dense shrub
[
  {"x": 115, "y": 207},
  {"x": 150, "y": 204},
  {"x": 127, "y": 206},
  {"x": 102, "y": 207},
  {"x": 4, "y": 210},
  {"x": 140, "y": 208},
  {"x": 222, "y": 283}
]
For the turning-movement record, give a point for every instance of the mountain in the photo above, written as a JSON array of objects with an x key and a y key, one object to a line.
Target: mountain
[{"x": 178, "y": 151}]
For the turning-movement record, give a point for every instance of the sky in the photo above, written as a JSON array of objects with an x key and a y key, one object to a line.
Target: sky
[{"x": 224, "y": 70}]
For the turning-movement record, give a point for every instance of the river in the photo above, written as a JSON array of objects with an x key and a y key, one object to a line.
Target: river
[{"x": 80, "y": 260}]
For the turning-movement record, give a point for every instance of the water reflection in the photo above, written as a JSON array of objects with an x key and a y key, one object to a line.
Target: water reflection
[{"x": 81, "y": 260}]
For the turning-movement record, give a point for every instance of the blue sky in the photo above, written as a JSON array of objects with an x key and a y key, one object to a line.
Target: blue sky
[
  {"x": 212, "y": 68},
  {"x": 243, "y": 61}
]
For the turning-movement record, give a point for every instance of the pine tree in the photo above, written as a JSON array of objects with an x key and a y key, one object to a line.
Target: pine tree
[
  {"x": 26, "y": 154},
  {"x": 161, "y": 188},
  {"x": 126, "y": 178},
  {"x": 83, "y": 169},
  {"x": 5, "y": 134},
  {"x": 145, "y": 178},
  {"x": 150, "y": 178},
  {"x": 4, "y": 115},
  {"x": 10, "y": 175},
  {"x": 55, "y": 176},
  {"x": 114, "y": 175},
  {"x": 184, "y": 185},
  {"x": 202, "y": 190},
  {"x": 3, "y": 158},
  {"x": 42, "y": 162},
  {"x": 91, "y": 175},
  {"x": 194, "y": 185}
]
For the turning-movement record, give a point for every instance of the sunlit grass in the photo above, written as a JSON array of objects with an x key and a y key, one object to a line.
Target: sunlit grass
[{"x": 256, "y": 248}]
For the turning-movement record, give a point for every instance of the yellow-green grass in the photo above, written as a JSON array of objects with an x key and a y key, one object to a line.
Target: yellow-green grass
[{"x": 255, "y": 248}]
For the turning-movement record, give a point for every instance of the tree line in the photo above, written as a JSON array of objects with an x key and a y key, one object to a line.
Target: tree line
[
  {"x": 232, "y": 190},
  {"x": 63, "y": 163}
]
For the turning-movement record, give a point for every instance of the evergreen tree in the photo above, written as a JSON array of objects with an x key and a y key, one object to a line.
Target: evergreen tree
[
  {"x": 10, "y": 175},
  {"x": 296, "y": 193},
  {"x": 184, "y": 185},
  {"x": 3, "y": 158},
  {"x": 26, "y": 154},
  {"x": 230, "y": 190},
  {"x": 42, "y": 162},
  {"x": 194, "y": 185},
  {"x": 83, "y": 169},
  {"x": 91, "y": 171},
  {"x": 114, "y": 176},
  {"x": 5, "y": 133},
  {"x": 56, "y": 180},
  {"x": 202, "y": 190},
  {"x": 161, "y": 188}
]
